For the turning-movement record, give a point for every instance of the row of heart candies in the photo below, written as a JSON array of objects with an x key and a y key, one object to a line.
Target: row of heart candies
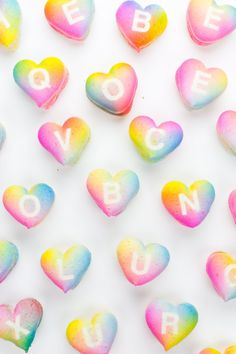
[
  {"x": 115, "y": 91},
  {"x": 206, "y": 21},
  {"x": 168, "y": 322}
]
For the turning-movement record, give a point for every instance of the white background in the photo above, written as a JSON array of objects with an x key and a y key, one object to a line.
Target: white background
[{"x": 76, "y": 219}]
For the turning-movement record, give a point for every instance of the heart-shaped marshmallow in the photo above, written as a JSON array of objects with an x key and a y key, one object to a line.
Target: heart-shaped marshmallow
[
  {"x": 188, "y": 205},
  {"x": 67, "y": 142},
  {"x": 209, "y": 22},
  {"x": 113, "y": 92},
  {"x": 170, "y": 324},
  {"x": 198, "y": 86},
  {"x": 226, "y": 129},
  {"x": 42, "y": 82},
  {"x": 140, "y": 263},
  {"x": 72, "y": 18},
  {"x": 10, "y": 21},
  {"x": 141, "y": 26},
  {"x": 221, "y": 269},
  {"x": 66, "y": 269},
  {"x": 95, "y": 336},
  {"x": 112, "y": 193},
  {"x": 29, "y": 207},
  {"x": 8, "y": 258},
  {"x": 154, "y": 142},
  {"x": 19, "y": 326}
]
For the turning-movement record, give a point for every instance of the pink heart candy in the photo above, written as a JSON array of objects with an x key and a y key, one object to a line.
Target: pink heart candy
[
  {"x": 198, "y": 86},
  {"x": 208, "y": 22}
]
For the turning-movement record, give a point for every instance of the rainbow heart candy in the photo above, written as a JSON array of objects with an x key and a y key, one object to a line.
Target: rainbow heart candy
[
  {"x": 66, "y": 269},
  {"x": 221, "y": 269},
  {"x": 72, "y": 18},
  {"x": 112, "y": 193},
  {"x": 226, "y": 129},
  {"x": 190, "y": 205},
  {"x": 155, "y": 142},
  {"x": 65, "y": 143},
  {"x": 141, "y": 26},
  {"x": 29, "y": 207},
  {"x": 10, "y": 21},
  {"x": 140, "y": 263},
  {"x": 19, "y": 326},
  {"x": 42, "y": 82},
  {"x": 230, "y": 350},
  {"x": 113, "y": 92},
  {"x": 170, "y": 324},
  {"x": 208, "y": 22},
  {"x": 8, "y": 258},
  {"x": 95, "y": 336},
  {"x": 199, "y": 86}
]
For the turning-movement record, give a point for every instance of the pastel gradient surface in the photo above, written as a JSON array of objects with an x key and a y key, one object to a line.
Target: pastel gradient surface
[
  {"x": 29, "y": 207},
  {"x": 10, "y": 15},
  {"x": 232, "y": 204},
  {"x": 66, "y": 143},
  {"x": 139, "y": 32},
  {"x": 226, "y": 130},
  {"x": 113, "y": 92},
  {"x": 72, "y": 18},
  {"x": 141, "y": 264},
  {"x": 42, "y": 82},
  {"x": 229, "y": 350},
  {"x": 27, "y": 314},
  {"x": 2, "y": 135},
  {"x": 221, "y": 269},
  {"x": 191, "y": 213},
  {"x": 8, "y": 258},
  {"x": 66, "y": 269},
  {"x": 187, "y": 318},
  {"x": 197, "y": 85},
  {"x": 95, "y": 336},
  {"x": 209, "y": 22},
  {"x": 120, "y": 190},
  {"x": 154, "y": 142}
]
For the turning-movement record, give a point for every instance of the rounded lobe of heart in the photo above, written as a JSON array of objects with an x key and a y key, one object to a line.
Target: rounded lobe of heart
[{"x": 226, "y": 129}]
